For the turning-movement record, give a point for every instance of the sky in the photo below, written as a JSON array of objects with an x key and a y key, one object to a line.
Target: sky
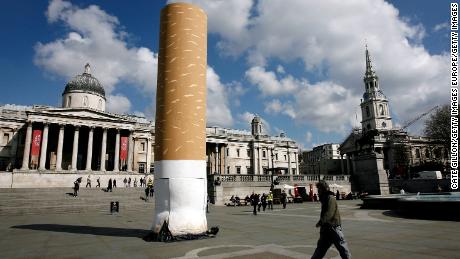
[{"x": 297, "y": 64}]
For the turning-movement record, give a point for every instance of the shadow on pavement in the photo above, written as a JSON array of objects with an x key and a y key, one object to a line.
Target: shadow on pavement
[{"x": 101, "y": 231}]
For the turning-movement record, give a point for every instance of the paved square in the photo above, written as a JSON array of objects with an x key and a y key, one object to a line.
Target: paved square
[{"x": 48, "y": 223}]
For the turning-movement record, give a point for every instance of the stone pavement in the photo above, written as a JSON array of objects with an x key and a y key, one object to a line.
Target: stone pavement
[{"x": 48, "y": 223}]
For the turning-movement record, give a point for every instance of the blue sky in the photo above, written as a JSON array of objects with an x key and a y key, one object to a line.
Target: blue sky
[{"x": 298, "y": 66}]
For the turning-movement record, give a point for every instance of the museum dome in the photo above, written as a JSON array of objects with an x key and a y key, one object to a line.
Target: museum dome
[
  {"x": 84, "y": 91},
  {"x": 85, "y": 83}
]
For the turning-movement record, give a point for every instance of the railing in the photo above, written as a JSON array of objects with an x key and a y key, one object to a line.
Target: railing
[{"x": 281, "y": 178}]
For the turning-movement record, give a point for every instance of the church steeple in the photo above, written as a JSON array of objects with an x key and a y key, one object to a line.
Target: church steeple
[
  {"x": 374, "y": 107},
  {"x": 369, "y": 71}
]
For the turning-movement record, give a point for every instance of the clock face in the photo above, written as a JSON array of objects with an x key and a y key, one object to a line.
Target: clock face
[{"x": 384, "y": 125}]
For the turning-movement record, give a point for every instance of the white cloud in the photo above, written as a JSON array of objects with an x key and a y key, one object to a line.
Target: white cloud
[
  {"x": 441, "y": 26},
  {"x": 95, "y": 37},
  {"x": 308, "y": 137},
  {"x": 268, "y": 84},
  {"x": 118, "y": 104},
  {"x": 330, "y": 42},
  {"x": 280, "y": 69},
  {"x": 218, "y": 111},
  {"x": 276, "y": 107}
]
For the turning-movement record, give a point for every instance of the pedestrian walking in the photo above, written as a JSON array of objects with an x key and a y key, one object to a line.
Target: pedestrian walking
[
  {"x": 125, "y": 182},
  {"x": 254, "y": 201},
  {"x": 264, "y": 201},
  {"x": 284, "y": 199},
  {"x": 88, "y": 181},
  {"x": 129, "y": 182},
  {"x": 98, "y": 182},
  {"x": 114, "y": 183},
  {"x": 330, "y": 224},
  {"x": 109, "y": 186},
  {"x": 76, "y": 187},
  {"x": 135, "y": 182},
  {"x": 141, "y": 182}
]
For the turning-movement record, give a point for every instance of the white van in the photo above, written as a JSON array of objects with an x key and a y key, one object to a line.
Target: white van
[{"x": 428, "y": 175}]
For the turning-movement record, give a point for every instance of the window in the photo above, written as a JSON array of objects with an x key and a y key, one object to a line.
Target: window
[
  {"x": 368, "y": 113},
  {"x": 6, "y": 139},
  {"x": 152, "y": 168},
  {"x": 285, "y": 157},
  {"x": 293, "y": 171},
  {"x": 249, "y": 152},
  {"x": 85, "y": 101},
  {"x": 69, "y": 101},
  {"x": 381, "y": 109},
  {"x": 238, "y": 170},
  {"x": 99, "y": 104},
  {"x": 142, "y": 146},
  {"x": 276, "y": 156},
  {"x": 427, "y": 153},
  {"x": 264, "y": 154},
  {"x": 264, "y": 169},
  {"x": 238, "y": 152},
  {"x": 249, "y": 170},
  {"x": 228, "y": 169},
  {"x": 228, "y": 151},
  {"x": 417, "y": 153},
  {"x": 141, "y": 168}
]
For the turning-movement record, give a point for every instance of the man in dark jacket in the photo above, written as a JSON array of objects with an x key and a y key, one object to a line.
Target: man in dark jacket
[
  {"x": 331, "y": 229},
  {"x": 254, "y": 202}
]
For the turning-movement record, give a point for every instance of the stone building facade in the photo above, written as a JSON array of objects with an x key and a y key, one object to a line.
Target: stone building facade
[
  {"x": 82, "y": 137},
  {"x": 324, "y": 159},
  {"x": 377, "y": 151}
]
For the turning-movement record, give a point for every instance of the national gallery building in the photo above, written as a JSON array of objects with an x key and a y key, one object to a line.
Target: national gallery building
[{"x": 81, "y": 137}]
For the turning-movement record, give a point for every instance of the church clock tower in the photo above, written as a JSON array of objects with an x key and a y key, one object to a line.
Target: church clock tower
[{"x": 374, "y": 106}]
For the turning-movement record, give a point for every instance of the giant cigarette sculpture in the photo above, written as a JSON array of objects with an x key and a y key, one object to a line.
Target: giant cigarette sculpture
[{"x": 180, "y": 129}]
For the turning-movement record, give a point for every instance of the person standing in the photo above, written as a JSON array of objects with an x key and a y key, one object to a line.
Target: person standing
[
  {"x": 330, "y": 224},
  {"x": 150, "y": 187},
  {"x": 98, "y": 182},
  {"x": 129, "y": 182},
  {"x": 270, "y": 200},
  {"x": 125, "y": 182},
  {"x": 135, "y": 182},
  {"x": 114, "y": 183}
]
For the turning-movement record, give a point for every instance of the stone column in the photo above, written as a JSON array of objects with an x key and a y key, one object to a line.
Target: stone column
[
  {"x": 289, "y": 162},
  {"x": 225, "y": 160},
  {"x": 297, "y": 163},
  {"x": 25, "y": 158},
  {"x": 59, "y": 148},
  {"x": 44, "y": 147},
  {"x": 89, "y": 152},
  {"x": 149, "y": 156},
  {"x": 348, "y": 163},
  {"x": 341, "y": 163},
  {"x": 116, "y": 161},
  {"x": 103, "y": 149},
  {"x": 130, "y": 152},
  {"x": 216, "y": 156},
  {"x": 75, "y": 148}
]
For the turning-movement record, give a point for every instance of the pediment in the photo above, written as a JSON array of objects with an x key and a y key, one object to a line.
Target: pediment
[{"x": 82, "y": 113}]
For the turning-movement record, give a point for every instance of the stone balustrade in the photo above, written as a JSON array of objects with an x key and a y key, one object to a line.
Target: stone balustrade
[{"x": 279, "y": 178}]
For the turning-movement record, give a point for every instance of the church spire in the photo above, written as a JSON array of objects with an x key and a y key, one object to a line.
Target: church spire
[{"x": 369, "y": 70}]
